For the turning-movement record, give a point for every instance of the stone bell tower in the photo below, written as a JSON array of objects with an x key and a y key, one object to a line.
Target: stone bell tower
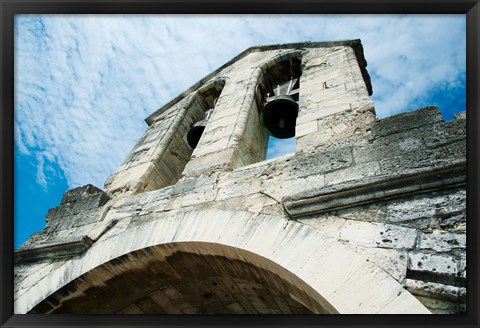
[
  {"x": 366, "y": 216},
  {"x": 323, "y": 92}
]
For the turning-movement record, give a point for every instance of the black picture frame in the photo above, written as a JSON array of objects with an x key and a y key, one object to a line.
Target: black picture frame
[{"x": 9, "y": 8}]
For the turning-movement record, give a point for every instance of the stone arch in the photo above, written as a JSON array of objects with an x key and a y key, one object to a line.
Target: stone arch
[
  {"x": 186, "y": 277},
  {"x": 344, "y": 279}
]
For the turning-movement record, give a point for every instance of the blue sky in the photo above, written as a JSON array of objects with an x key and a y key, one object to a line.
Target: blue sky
[{"x": 85, "y": 83}]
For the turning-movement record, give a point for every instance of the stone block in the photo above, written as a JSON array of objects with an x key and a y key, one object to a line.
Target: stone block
[
  {"x": 392, "y": 261},
  {"x": 374, "y": 212},
  {"x": 447, "y": 132},
  {"x": 322, "y": 161},
  {"x": 435, "y": 263},
  {"x": 377, "y": 235},
  {"x": 77, "y": 193},
  {"x": 422, "y": 117},
  {"x": 441, "y": 241},
  {"x": 212, "y": 147},
  {"x": 65, "y": 245},
  {"x": 410, "y": 209},
  {"x": 438, "y": 306},
  {"x": 238, "y": 189},
  {"x": 313, "y": 112},
  {"x": 209, "y": 163},
  {"x": 200, "y": 195},
  {"x": 188, "y": 185},
  {"x": 35, "y": 273},
  {"x": 147, "y": 198},
  {"x": 61, "y": 211},
  {"x": 448, "y": 206},
  {"x": 128, "y": 179},
  {"x": 443, "y": 156},
  {"x": 294, "y": 186},
  {"x": 403, "y": 304},
  {"x": 311, "y": 141},
  {"x": 210, "y": 136},
  {"x": 90, "y": 202},
  {"x": 222, "y": 122},
  {"x": 357, "y": 172},
  {"x": 409, "y": 144},
  {"x": 339, "y": 128},
  {"x": 370, "y": 299},
  {"x": 451, "y": 202},
  {"x": 359, "y": 233},
  {"x": 392, "y": 236},
  {"x": 462, "y": 267},
  {"x": 329, "y": 226},
  {"x": 393, "y": 145},
  {"x": 435, "y": 290},
  {"x": 306, "y": 128}
]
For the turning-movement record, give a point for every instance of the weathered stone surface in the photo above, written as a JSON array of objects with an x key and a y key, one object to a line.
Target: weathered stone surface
[
  {"x": 462, "y": 267},
  {"x": 435, "y": 290},
  {"x": 91, "y": 202},
  {"x": 75, "y": 194},
  {"x": 396, "y": 237},
  {"x": 376, "y": 235},
  {"x": 393, "y": 261},
  {"x": 427, "y": 262},
  {"x": 422, "y": 117},
  {"x": 389, "y": 146},
  {"x": 438, "y": 306},
  {"x": 346, "y": 194},
  {"x": 59, "y": 212},
  {"x": 187, "y": 185},
  {"x": 441, "y": 241},
  {"x": 432, "y": 158},
  {"x": 357, "y": 172},
  {"x": 320, "y": 162},
  {"x": 451, "y": 131},
  {"x": 400, "y": 212},
  {"x": 71, "y": 227}
]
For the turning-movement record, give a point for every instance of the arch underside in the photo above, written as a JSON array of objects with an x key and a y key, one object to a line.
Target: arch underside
[{"x": 182, "y": 278}]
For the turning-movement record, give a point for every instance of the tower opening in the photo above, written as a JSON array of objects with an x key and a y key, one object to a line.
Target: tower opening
[
  {"x": 279, "y": 147},
  {"x": 277, "y": 98},
  {"x": 208, "y": 101}
]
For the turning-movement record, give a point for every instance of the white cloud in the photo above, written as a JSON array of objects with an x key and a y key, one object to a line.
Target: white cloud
[
  {"x": 41, "y": 179},
  {"x": 84, "y": 84},
  {"x": 279, "y": 147}
]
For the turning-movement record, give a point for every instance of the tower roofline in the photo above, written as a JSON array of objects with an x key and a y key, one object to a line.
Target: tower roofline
[{"x": 355, "y": 44}]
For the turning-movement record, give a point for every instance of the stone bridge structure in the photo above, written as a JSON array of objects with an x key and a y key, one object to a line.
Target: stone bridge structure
[{"x": 366, "y": 216}]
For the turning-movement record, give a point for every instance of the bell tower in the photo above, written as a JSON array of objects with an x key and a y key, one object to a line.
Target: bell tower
[
  {"x": 366, "y": 216},
  {"x": 315, "y": 92}
]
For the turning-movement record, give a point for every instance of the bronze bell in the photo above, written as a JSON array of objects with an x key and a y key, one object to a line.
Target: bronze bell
[
  {"x": 279, "y": 116},
  {"x": 195, "y": 132}
]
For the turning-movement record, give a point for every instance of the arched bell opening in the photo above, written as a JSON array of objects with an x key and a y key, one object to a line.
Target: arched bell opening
[
  {"x": 183, "y": 278},
  {"x": 174, "y": 151},
  {"x": 206, "y": 100},
  {"x": 277, "y": 95}
]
